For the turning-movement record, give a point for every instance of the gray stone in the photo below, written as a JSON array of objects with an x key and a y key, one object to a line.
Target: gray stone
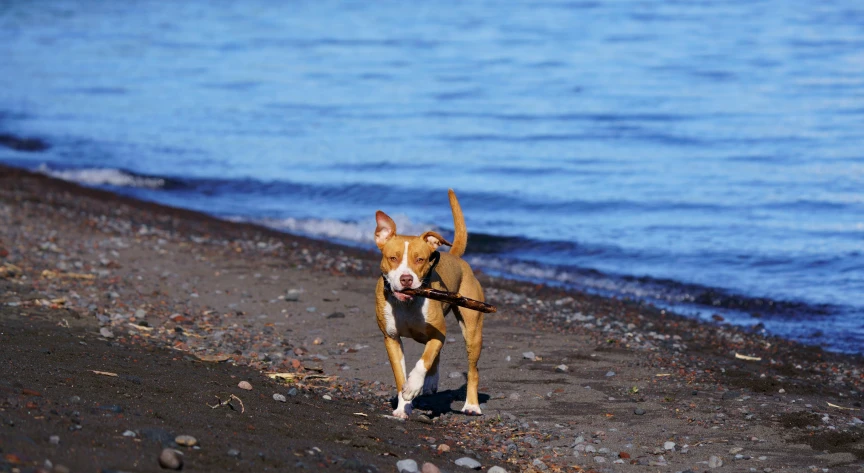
[
  {"x": 170, "y": 459},
  {"x": 610, "y": 374},
  {"x": 669, "y": 446},
  {"x": 639, "y": 411},
  {"x": 140, "y": 314},
  {"x": 715, "y": 462},
  {"x": 496, "y": 469},
  {"x": 106, "y": 332},
  {"x": 454, "y": 375},
  {"x": 407, "y": 466},
  {"x": 467, "y": 462},
  {"x": 562, "y": 368},
  {"x": 599, "y": 459},
  {"x": 234, "y": 453},
  {"x": 537, "y": 463},
  {"x": 279, "y": 397},
  {"x": 529, "y": 355}
]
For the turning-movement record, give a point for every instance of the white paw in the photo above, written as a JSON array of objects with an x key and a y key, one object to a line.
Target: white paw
[
  {"x": 403, "y": 409},
  {"x": 414, "y": 384},
  {"x": 430, "y": 384},
  {"x": 471, "y": 410}
]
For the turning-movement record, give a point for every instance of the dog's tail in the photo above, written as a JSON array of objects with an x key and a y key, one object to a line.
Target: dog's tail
[{"x": 460, "y": 237}]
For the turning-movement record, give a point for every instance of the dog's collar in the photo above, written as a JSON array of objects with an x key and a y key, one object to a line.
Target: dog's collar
[{"x": 427, "y": 280}]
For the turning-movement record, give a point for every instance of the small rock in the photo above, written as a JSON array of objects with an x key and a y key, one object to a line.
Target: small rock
[
  {"x": 170, "y": 459},
  {"x": 129, "y": 433},
  {"x": 54, "y": 440},
  {"x": 639, "y": 411},
  {"x": 140, "y": 314},
  {"x": 599, "y": 459},
  {"x": 735, "y": 450},
  {"x": 496, "y": 469},
  {"x": 336, "y": 315},
  {"x": 715, "y": 462},
  {"x": 292, "y": 392},
  {"x": 234, "y": 453},
  {"x": 186, "y": 440},
  {"x": 429, "y": 468},
  {"x": 467, "y": 462},
  {"x": 244, "y": 385},
  {"x": 327, "y": 397},
  {"x": 590, "y": 449},
  {"x": 407, "y": 466},
  {"x": 578, "y": 440},
  {"x": 562, "y": 368},
  {"x": 538, "y": 464},
  {"x": 279, "y": 397},
  {"x": 443, "y": 448},
  {"x": 454, "y": 375},
  {"x": 529, "y": 355},
  {"x": 624, "y": 455},
  {"x": 60, "y": 469},
  {"x": 106, "y": 332},
  {"x": 610, "y": 374},
  {"x": 669, "y": 446},
  {"x": 514, "y": 396}
]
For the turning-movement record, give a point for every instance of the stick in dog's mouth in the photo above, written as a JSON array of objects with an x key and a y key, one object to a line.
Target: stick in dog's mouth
[{"x": 450, "y": 297}]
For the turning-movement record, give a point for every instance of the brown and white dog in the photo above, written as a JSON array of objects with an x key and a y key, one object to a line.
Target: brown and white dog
[{"x": 408, "y": 262}]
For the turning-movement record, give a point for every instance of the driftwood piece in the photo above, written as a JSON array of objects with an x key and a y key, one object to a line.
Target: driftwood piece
[{"x": 451, "y": 298}]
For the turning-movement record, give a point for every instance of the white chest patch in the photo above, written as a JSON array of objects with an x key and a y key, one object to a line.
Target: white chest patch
[{"x": 405, "y": 319}]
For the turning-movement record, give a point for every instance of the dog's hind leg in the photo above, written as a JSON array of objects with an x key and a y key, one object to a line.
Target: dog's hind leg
[
  {"x": 471, "y": 323},
  {"x": 430, "y": 384}
]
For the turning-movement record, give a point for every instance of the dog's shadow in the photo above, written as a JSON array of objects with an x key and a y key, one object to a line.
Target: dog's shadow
[{"x": 438, "y": 404}]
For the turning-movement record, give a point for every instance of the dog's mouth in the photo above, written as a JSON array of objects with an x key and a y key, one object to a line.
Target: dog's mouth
[{"x": 402, "y": 297}]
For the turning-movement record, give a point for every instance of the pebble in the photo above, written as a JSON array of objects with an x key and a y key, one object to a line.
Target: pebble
[
  {"x": 496, "y": 469},
  {"x": 639, "y": 411},
  {"x": 186, "y": 440},
  {"x": 443, "y": 448},
  {"x": 60, "y": 469},
  {"x": 106, "y": 332},
  {"x": 529, "y": 355},
  {"x": 279, "y": 397},
  {"x": 669, "y": 446},
  {"x": 244, "y": 385},
  {"x": 129, "y": 433},
  {"x": 54, "y": 440},
  {"x": 735, "y": 450},
  {"x": 292, "y": 392},
  {"x": 610, "y": 374},
  {"x": 715, "y": 462},
  {"x": 429, "y": 468},
  {"x": 599, "y": 459},
  {"x": 234, "y": 453},
  {"x": 562, "y": 368},
  {"x": 407, "y": 466},
  {"x": 336, "y": 315},
  {"x": 140, "y": 314},
  {"x": 467, "y": 462},
  {"x": 170, "y": 459},
  {"x": 327, "y": 397},
  {"x": 590, "y": 449},
  {"x": 454, "y": 375},
  {"x": 537, "y": 463}
]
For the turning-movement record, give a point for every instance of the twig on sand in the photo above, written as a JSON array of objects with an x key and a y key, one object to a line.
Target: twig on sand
[{"x": 227, "y": 402}]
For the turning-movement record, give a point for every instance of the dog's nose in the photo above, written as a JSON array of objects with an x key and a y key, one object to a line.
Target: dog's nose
[{"x": 406, "y": 280}]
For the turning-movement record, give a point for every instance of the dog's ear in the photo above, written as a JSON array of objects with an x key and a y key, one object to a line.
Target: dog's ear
[
  {"x": 435, "y": 240},
  {"x": 386, "y": 229}
]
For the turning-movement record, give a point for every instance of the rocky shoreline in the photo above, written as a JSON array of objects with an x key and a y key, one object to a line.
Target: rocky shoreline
[{"x": 570, "y": 381}]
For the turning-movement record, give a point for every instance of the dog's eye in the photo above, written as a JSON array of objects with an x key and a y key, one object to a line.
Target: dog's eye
[
  {"x": 420, "y": 260},
  {"x": 394, "y": 259}
]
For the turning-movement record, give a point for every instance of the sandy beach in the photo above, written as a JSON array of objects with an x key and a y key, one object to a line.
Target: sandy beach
[{"x": 179, "y": 307}]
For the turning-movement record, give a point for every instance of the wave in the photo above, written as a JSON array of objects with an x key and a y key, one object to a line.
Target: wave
[
  {"x": 353, "y": 233},
  {"x": 104, "y": 177}
]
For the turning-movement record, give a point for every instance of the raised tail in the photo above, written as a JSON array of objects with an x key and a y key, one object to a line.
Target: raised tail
[{"x": 460, "y": 237}]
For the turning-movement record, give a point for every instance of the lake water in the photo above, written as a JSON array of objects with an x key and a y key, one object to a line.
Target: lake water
[{"x": 703, "y": 155}]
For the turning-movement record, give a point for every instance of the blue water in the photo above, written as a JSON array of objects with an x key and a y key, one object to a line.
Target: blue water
[{"x": 705, "y": 155}]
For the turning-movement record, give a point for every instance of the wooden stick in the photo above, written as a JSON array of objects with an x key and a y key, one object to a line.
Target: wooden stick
[{"x": 450, "y": 297}]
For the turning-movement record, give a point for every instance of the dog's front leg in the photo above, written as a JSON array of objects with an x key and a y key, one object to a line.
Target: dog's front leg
[
  {"x": 415, "y": 381},
  {"x": 397, "y": 363}
]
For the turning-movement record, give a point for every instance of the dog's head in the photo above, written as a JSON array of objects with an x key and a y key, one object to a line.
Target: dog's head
[{"x": 405, "y": 259}]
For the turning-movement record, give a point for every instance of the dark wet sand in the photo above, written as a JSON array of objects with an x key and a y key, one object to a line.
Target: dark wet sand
[{"x": 208, "y": 287}]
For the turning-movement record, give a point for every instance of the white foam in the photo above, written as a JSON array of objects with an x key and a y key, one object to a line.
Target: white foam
[
  {"x": 357, "y": 232},
  {"x": 103, "y": 177}
]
